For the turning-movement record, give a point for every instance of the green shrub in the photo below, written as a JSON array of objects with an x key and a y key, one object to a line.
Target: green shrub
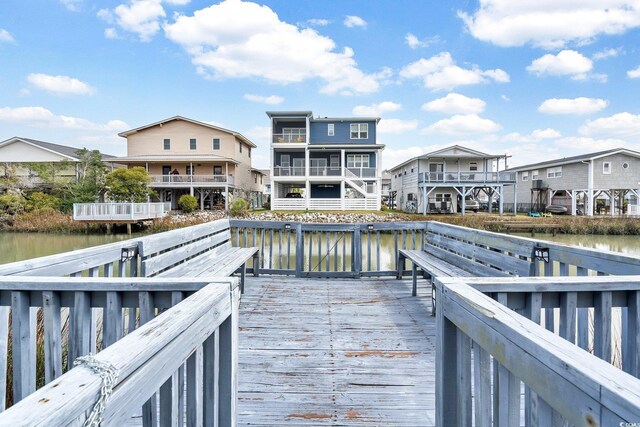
[
  {"x": 39, "y": 200},
  {"x": 267, "y": 205},
  {"x": 239, "y": 208},
  {"x": 384, "y": 208},
  {"x": 188, "y": 203},
  {"x": 12, "y": 204}
]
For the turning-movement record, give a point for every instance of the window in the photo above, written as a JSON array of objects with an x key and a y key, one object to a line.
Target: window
[
  {"x": 473, "y": 166},
  {"x": 240, "y": 146},
  {"x": 443, "y": 197},
  {"x": 358, "y": 161},
  {"x": 554, "y": 172},
  {"x": 217, "y": 170},
  {"x": 192, "y": 144},
  {"x": 190, "y": 170},
  {"x": 525, "y": 176},
  {"x": 606, "y": 168},
  {"x": 411, "y": 170},
  {"x": 285, "y": 160},
  {"x": 359, "y": 130},
  {"x": 334, "y": 161},
  {"x": 167, "y": 144},
  {"x": 411, "y": 197},
  {"x": 330, "y": 129},
  {"x": 216, "y": 143},
  {"x": 255, "y": 179},
  {"x": 535, "y": 174}
]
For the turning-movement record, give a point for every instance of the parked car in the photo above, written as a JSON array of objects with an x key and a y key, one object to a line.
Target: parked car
[
  {"x": 293, "y": 196},
  {"x": 470, "y": 204},
  {"x": 556, "y": 209}
]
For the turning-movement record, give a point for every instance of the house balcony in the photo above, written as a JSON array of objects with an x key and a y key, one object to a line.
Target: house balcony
[
  {"x": 190, "y": 180},
  {"x": 363, "y": 172},
  {"x": 297, "y": 136},
  {"x": 470, "y": 177},
  {"x": 325, "y": 171},
  {"x": 288, "y": 171}
]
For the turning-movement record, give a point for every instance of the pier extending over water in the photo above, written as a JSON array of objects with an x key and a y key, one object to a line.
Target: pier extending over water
[{"x": 337, "y": 341}]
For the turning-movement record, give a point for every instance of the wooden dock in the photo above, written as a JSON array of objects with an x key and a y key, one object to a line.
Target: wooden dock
[{"x": 335, "y": 352}]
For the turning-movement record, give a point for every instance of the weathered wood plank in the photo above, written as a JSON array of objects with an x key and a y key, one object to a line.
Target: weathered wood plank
[{"x": 52, "y": 336}]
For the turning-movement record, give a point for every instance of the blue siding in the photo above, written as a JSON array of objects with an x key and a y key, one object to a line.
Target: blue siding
[
  {"x": 324, "y": 192},
  {"x": 342, "y": 129}
]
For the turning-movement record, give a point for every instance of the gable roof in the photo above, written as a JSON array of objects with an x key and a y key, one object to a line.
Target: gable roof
[
  {"x": 466, "y": 152},
  {"x": 207, "y": 125},
  {"x": 62, "y": 150},
  {"x": 575, "y": 159}
]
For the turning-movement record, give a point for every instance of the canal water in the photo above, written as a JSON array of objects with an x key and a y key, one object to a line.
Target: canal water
[{"x": 19, "y": 246}]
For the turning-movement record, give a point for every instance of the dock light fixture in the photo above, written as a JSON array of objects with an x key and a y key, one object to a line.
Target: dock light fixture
[
  {"x": 128, "y": 253},
  {"x": 287, "y": 226},
  {"x": 370, "y": 227}
]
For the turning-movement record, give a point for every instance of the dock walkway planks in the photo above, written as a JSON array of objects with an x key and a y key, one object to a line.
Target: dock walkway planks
[{"x": 335, "y": 352}]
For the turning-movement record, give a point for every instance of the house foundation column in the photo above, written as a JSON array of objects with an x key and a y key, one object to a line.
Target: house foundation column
[
  {"x": 342, "y": 194},
  {"x": 574, "y": 207},
  {"x": 226, "y": 197},
  {"x": 307, "y": 190}
]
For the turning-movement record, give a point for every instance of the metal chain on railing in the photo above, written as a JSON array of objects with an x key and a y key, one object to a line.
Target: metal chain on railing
[
  {"x": 342, "y": 235},
  {"x": 109, "y": 375}
]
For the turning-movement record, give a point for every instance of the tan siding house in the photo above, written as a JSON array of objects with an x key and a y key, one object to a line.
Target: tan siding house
[{"x": 185, "y": 156}]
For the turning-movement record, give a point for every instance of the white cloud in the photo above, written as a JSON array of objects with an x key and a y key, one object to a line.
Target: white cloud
[
  {"x": 177, "y": 2},
  {"x": 535, "y": 136},
  {"x": 621, "y": 125},
  {"x": 463, "y": 125},
  {"x": 565, "y": 63},
  {"x": 585, "y": 144},
  {"x": 72, "y": 5},
  {"x": 5, "y": 36},
  {"x": 111, "y": 33},
  {"x": 550, "y": 24},
  {"x": 270, "y": 100},
  {"x": 138, "y": 16},
  {"x": 317, "y": 22},
  {"x": 376, "y": 110},
  {"x": 607, "y": 53},
  {"x": 414, "y": 42},
  {"x": 441, "y": 73},
  {"x": 396, "y": 125},
  {"x": 41, "y": 117},
  {"x": 634, "y": 74},
  {"x": 505, "y": 98},
  {"x": 454, "y": 103},
  {"x": 351, "y": 21},
  {"x": 577, "y": 106},
  {"x": 260, "y": 45},
  {"x": 60, "y": 85}
]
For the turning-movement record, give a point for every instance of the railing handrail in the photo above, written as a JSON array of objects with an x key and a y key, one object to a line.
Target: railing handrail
[
  {"x": 599, "y": 392},
  {"x": 160, "y": 346}
]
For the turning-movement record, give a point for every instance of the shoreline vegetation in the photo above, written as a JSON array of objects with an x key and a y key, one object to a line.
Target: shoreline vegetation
[{"x": 53, "y": 221}]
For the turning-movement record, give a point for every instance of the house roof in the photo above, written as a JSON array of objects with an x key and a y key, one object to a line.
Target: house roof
[
  {"x": 170, "y": 119},
  {"x": 466, "y": 153},
  {"x": 575, "y": 159},
  {"x": 260, "y": 171},
  {"x": 64, "y": 150},
  {"x": 182, "y": 158},
  {"x": 291, "y": 114}
]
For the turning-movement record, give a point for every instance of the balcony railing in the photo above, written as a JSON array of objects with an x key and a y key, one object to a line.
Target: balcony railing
[
  {"x": 469, "y": 176},
  {"x": 178, "y": 180},
  {"x": 325, "y": 171},
  {"x": 288, "y": 171},
  {"x": 363, "y": 172},
  {"x": 290, "y": 137}
]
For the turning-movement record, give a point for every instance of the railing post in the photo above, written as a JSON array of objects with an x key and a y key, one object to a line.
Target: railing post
[
  {"x": 446, "y": 366},
  {"x": 299, "y": 250},
  {"x": 228, "y": 366},
  {"x": 356, "y": 254}
]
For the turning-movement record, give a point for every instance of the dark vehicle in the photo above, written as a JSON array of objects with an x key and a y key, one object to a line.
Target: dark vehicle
[{"x": 293, "y": 196}]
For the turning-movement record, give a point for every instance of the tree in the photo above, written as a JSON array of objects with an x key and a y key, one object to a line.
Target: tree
[{"x": 129, "y": 185}]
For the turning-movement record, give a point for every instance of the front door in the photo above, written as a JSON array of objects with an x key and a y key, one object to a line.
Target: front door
[{"x": 166, "y": 170}]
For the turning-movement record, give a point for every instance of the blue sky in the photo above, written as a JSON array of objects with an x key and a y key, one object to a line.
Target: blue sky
[{"x": 536, "y": 80}]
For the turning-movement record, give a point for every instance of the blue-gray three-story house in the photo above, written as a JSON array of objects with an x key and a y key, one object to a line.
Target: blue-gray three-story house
[{"x": 324, "y": 163}]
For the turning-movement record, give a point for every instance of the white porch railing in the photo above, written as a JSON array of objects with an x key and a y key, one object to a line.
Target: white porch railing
[
  {"x": 119, "y": 211},
  {"x": 361, "y": 204},
  {"x": 466, "y": 176},
  {"x": 363, "y": 172},
  {"x": 185, "y": 180},
  {"x": 288, "y": 171},
  {"x": 294, "y": 136}
]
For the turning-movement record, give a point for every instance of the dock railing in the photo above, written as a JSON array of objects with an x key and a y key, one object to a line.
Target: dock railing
[
  {"x": 119, "y": 211},
  {"x": 327, "y": 250},
  {"x": 486, "y": 347},
  {"x": 187, "y": 355}
]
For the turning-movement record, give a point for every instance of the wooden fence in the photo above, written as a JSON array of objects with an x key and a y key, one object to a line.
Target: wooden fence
[
  {"x": 181, "y": 365},
  {"x": 492, "y": 346}
]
